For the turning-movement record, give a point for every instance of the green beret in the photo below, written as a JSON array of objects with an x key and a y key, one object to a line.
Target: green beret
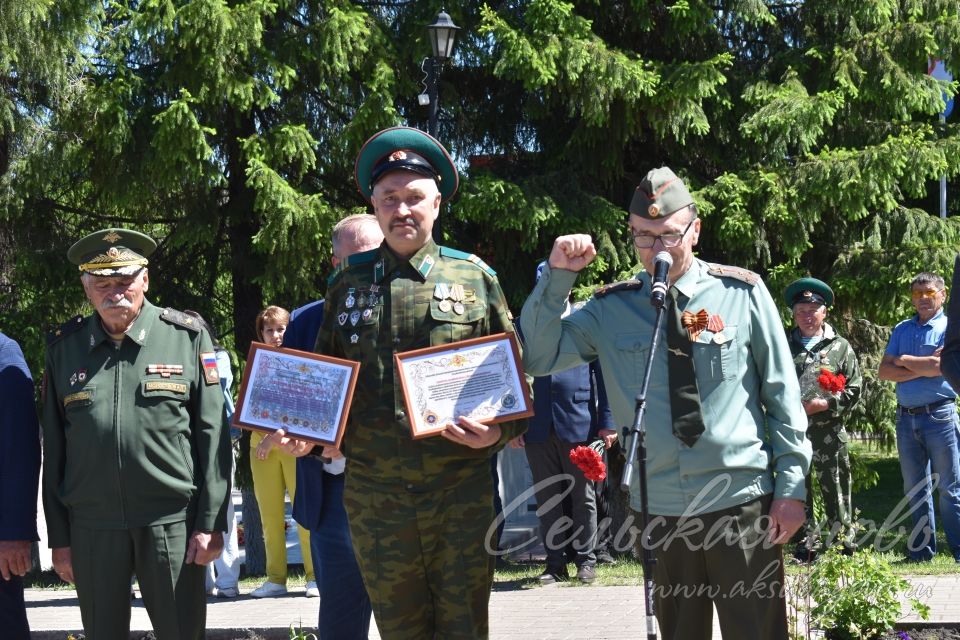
[
  {"x": 808, "y": 290},
  {"x": 405, "y": 149},
  {"x": 112, "y": 252},
  {"x": 660, "y": 194}
]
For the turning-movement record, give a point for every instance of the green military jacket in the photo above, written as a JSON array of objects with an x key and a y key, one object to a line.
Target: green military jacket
[
  {"x": 834, "y": 353},
  {"x": 133, "y": 435},
  {"x": 381, "y": 304}
]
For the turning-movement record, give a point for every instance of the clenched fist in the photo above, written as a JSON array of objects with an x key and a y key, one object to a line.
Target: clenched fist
[{"x": 573, "y": 252}]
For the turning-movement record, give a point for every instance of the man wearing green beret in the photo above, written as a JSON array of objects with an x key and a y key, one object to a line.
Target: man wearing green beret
[
  {"x": 136, "y": 460},
  {"x": 725, "y": 441},
  {"x": 419, "y": 510},
  {"x": 821, "y": 357}
]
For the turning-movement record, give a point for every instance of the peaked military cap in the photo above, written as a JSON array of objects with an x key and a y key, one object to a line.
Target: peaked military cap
[
  {"x": 406, "y": 149},
  {"x": 808, "y": 290},
  {"x": 660, "y": 194},
  {"x": 112, "y": 252}
]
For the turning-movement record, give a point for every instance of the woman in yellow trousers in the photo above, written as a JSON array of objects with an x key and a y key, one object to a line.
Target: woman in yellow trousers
[{"x": 275, "y": 472}]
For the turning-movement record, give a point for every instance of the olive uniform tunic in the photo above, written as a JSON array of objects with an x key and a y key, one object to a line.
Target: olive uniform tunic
[
  {"x": 826, "y": 432},
  {"x": 135, "y": 459},
  {"x": 419, "y": 510}
]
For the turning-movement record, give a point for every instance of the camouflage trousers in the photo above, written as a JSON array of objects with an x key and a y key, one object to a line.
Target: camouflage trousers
[
  {"x": 423, "y": 557},
  {"x": 831, "y": 464}
]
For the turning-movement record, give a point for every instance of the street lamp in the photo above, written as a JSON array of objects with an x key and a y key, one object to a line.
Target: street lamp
[{"x": 443, "y": 34}]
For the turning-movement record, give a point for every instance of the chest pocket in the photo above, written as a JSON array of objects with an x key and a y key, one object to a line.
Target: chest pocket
[
  {"x": 717, "y": 355},
  {"x": 162, "y": 401},
  {"x": 79, "y": 400},
  {"x": 631, "y": 356},
  {"x": 449, "y": 326}
]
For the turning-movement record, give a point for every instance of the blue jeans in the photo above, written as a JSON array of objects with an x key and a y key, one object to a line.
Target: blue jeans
[
  {"x": 344, "y": 604},
  {"x": 926, "y": 442}
]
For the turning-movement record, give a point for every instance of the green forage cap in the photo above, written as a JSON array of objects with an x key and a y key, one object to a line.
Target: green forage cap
[
  {"x": 405, "y": 149},
  {"x": 808, "y": 290},
  {"x": 660, "y": 194},
  {"x": 112, "y": 252}
]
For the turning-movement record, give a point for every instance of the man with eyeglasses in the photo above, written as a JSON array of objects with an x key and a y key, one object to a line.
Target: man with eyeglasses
[
  {"x": 817, "y": 349},
  {"x": 926, "y": 418},
  {"x": 726, "y": 445}
]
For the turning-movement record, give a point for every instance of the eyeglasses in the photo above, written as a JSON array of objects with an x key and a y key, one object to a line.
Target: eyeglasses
[
  {"x": 927, "y": 293},
  {"x": 646, "y": 241}
]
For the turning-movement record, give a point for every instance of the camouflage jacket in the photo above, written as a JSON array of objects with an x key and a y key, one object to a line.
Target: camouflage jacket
[
  {"x": 834, "y": 353},
  {"x": 381, "y": 304}
]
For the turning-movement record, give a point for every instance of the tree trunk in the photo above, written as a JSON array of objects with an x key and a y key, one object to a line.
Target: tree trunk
[{"x": 255, "y": 562}]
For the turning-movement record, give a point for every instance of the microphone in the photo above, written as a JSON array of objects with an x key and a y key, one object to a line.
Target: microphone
[{"x": 661, "y": 267}]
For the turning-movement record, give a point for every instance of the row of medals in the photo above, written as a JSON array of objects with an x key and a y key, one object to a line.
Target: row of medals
[
  {"x": 364, "y": 304},
  {"x": 450, "y": 297}
]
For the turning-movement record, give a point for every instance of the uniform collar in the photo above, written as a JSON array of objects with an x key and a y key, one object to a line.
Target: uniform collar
[
  {"x": 137, "y": 332},
  {"x": 687, "y": 283},
  {"x": 421, "y": 263}
]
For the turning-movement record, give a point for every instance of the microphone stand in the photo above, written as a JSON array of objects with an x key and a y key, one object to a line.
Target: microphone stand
[{"x": 638, "y": 451}]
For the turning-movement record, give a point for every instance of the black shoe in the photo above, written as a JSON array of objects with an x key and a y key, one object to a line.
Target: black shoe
[
  {"x": 552, "y": 575},
  {"x": 605, "y": 558},
  {"x": 586, "y": 574}
]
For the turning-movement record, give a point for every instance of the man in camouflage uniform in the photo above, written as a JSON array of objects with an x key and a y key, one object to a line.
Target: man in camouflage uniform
[
  {"x": 136, "y": 460},
  {"x": 418, "y": 509},
  {"x": 816, "y": 348}
]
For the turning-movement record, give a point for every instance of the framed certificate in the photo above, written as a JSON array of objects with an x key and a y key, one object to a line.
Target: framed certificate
[
  {"x": 480, "y": 378},
  {"x": 305, "y": 394}
]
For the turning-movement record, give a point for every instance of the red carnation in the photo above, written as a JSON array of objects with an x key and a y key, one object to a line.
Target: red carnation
[
  {"x": 832, "y": 382},
  {"x": 589, "y": 461}
]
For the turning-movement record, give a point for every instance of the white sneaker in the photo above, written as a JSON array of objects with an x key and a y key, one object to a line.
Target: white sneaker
[
  {"x": 312, "y": 591},
  {"x": 226, "y": 592},
  {"x": 268, "y": 590}
]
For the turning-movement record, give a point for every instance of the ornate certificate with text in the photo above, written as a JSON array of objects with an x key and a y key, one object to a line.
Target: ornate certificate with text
[
  {"x": 480, "y": 378},
  {"x": 305, "y": 394}
]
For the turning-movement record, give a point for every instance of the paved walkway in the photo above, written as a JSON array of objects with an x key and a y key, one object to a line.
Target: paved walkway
[{"x": 542, "y": 613}]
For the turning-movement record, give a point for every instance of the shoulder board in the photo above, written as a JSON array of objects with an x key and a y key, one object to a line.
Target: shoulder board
[
  {"x": 723, "y": 271},
  {"x": 364, "y": 257},
  {"x": 179, "y": 318},
  {"x": 68, "y": 327},
  {"x": 578, "y": 305},
  {"x": 463, "y": 255},
  {"x": 618, "y": 287}
]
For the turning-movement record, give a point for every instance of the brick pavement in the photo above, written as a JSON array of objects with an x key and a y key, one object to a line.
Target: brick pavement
[{"x": 543, "y": 613}]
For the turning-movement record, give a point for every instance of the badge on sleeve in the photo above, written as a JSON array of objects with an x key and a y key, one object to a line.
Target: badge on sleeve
[{"x": 208, "y": 360}]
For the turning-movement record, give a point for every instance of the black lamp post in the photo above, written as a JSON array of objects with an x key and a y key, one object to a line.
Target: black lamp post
[{"x": 443, "y": 35}]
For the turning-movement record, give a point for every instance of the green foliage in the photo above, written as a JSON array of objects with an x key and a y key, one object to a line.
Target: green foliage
[{"x": 857, "y": 596}]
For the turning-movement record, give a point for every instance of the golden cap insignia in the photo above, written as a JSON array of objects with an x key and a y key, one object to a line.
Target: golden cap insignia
[
  {"x": 653, "y": 210},
  {"x": 400, "y": 154},
  {"x": 113, "y": 252},
  {"x": 112, "y": 237}
]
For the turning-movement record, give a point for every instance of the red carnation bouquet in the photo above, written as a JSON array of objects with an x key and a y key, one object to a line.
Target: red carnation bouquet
[
  {"x": 589, "y": 460},
  {"x": 831, "y": 382}
]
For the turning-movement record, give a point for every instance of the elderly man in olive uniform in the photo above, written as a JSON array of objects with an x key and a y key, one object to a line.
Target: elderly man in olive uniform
[
  {"x": 418, "y": 509},
  {"x": 136, "y": 462},
  {"x": 724, "y": 424},
  {"x": 817, "y": 348}
]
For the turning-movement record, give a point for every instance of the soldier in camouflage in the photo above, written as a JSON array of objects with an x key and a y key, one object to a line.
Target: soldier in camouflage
[
  {"x": 419, "y": 510},
  {"x": 817, "y": 348},
  {"x": 136, "y": 460}
]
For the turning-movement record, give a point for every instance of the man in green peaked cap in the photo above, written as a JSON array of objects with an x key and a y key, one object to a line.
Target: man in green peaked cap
[
  {"x": 726, "y": 452},
  {"x": 420, "y": 510},
  {"x": 136, "y": 457},
  {"x": 818, "y": 350}
]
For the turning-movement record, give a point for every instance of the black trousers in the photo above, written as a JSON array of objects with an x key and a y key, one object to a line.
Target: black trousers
[{"x": 13, "y": 614}]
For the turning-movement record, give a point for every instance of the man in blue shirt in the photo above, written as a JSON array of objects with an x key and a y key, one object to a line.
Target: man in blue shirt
[
  {"x": 926, "y": 418},
  {"x": 318, "y": 504},
  {"x": 19, "y": 478}
]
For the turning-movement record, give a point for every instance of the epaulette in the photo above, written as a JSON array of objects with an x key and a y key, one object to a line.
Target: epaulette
[
  {"x": 463, "y": 255},
  {"x": 576, "y": 306},
  {"x": 743, "y": 275},
  {"x": 70, "y": 326},
  {"x": 364, "y": 257},
  {"x": 617, "y": 287},
  {"x": 180, "y": 318}
]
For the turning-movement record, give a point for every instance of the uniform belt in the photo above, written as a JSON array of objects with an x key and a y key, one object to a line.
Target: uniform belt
[{"x": 927, "y": 408}]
